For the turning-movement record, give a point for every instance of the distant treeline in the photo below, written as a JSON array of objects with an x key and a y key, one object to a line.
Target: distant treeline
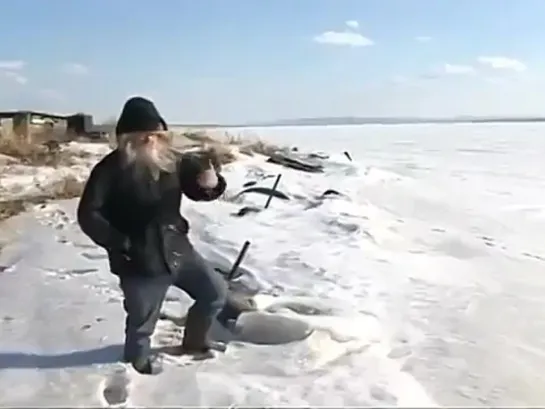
[{"x": 366, "y": 121}]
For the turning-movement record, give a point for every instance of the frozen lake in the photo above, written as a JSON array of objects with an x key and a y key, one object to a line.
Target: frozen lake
[{"x": 430, "y": 268}]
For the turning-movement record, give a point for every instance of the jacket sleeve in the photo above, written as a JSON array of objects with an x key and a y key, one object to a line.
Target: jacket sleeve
[
  {"x": 90, "y": 216},
  {"x": 190, "y": 168}
]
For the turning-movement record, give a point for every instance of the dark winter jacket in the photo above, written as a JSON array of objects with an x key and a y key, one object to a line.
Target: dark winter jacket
[{"x": 142, "y": 237}]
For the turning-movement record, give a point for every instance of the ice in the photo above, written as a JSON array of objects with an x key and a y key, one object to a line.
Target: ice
[{"x": 421, "y": 285}]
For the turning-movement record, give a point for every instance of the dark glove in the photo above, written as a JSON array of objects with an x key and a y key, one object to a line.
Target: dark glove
[{"x": 126, "y": 248}]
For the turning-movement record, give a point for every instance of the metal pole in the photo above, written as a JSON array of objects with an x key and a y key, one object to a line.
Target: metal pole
[
  {"x": 276, "y": 182},
  {"x": 238, "y": 260}
]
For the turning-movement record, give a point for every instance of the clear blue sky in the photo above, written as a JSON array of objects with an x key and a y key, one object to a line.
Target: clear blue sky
[{"x": 244, "y": 60}]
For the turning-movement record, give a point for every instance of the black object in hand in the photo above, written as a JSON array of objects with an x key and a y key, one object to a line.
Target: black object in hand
[{"x": 126, "y": 248}]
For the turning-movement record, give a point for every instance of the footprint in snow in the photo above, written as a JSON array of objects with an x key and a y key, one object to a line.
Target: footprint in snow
[
  {"x": 64, "y": 273},
  {"x": 62, "y": 240},
  {"x": 114, "y": 390},
  {"x": 87, "y": 254},
  {"x": 94, "y": 256},
  {"x": 534, "y": 256},
  {"x": 84, "y": 245},
  {"x": 400, "y": 352},
  {"x": 382, "y": 396}
]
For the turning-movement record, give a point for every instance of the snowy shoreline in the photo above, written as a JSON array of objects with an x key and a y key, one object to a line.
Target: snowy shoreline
[
  {"x": 68, "y": 277},
  {"x": 424, "y": 276}
]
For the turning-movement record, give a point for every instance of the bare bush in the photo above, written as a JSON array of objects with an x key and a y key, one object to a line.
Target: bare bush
[
  {"x": 226, "y": 148},
  {"x": 34, "y": 153},
  {"x": 222, "y": 153},
  {"x": 226, "y": 144},
  {"x": 10, "y": 208},
  {"x": 199, "y": 137},
  {"x": 66, "y": 188},
  {"x": 261, "y": 147}
]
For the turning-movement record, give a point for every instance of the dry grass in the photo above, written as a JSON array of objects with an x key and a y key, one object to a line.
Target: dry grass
[
  {"x": 226, "y": 149},
  {"x": 199, "y": 137},
  {"x": 222, "y": 153},
  {"x": 36, "y": 152},
  {"x": 261, "y": 147},
  {"x": 225, "y": 143},
  {"x": 66, "y": 188},
  {"x": 10, "y": 208}
]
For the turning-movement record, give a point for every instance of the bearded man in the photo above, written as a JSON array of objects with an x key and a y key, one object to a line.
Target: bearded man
[{"x": 130, "y": 207}]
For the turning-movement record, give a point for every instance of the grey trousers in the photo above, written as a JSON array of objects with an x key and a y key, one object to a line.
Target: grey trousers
[{"x": 143, "y": 297}]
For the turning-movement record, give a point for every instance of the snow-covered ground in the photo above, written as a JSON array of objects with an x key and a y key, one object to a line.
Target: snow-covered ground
[
  {"x": 18, "y": 180},
  {"x": 423, "y": 283}
]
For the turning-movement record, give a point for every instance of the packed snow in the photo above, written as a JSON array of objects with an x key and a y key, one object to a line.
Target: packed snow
[
  {"x": 18, "y": 180},
  {"x": 422, "y": 283}
]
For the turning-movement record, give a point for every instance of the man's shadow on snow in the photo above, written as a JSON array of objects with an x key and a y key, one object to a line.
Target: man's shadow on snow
[
  {"x": 252, "y": 327},
  {"x": 22, "y": 360}
]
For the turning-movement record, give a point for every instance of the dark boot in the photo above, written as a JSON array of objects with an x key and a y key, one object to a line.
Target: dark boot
[
  {"x": 235, "y": 305},
  {"x": 148, "y": 365},
  {"x": 195, "y": 341},
  {"x": 151, "y": 365}
]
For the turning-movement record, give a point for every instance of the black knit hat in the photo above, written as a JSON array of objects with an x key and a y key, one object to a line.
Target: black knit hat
[{"x": 139, "y": 115}]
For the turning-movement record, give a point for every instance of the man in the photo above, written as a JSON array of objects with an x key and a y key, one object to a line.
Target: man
[{"x": 130, "y": 207}]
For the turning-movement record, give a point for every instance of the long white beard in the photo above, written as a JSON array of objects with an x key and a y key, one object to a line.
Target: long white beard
[
  {"x": 142, "y": 167},
  {"x": 151, "y": 160}
]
